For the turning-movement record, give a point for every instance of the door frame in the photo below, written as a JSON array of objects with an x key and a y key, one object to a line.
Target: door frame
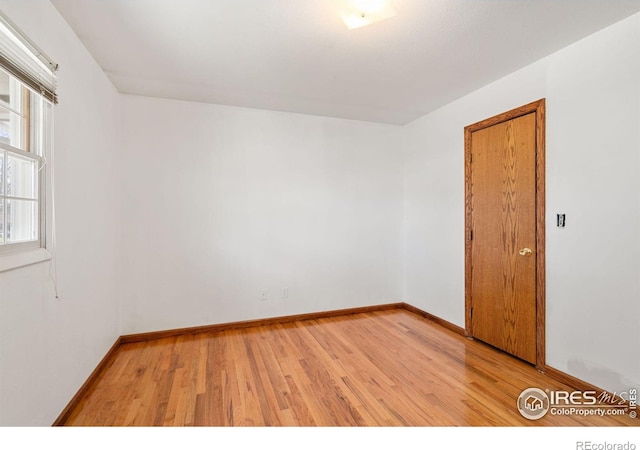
[{"x": 537, "y": 107}]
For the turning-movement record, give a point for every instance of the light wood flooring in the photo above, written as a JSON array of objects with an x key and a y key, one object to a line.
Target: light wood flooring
[{"x": 383, "y": 368}]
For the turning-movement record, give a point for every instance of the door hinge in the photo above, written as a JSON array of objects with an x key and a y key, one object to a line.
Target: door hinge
[
  {"x": 470, "y": 313},
  {"x": 471, "y": 235}
]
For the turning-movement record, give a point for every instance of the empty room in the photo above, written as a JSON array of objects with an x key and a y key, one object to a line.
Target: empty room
[{"x": 320, "y": 213}]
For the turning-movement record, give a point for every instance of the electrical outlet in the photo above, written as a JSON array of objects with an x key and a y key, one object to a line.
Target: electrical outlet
[
  {"x": 285, "y": 292},
  {"x": 264, "y": 295}
]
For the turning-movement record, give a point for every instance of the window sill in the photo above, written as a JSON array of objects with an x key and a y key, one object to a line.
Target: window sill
[{"x": 11, "y": 261}]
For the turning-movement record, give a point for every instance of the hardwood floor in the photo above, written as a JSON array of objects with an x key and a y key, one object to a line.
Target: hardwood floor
[{"x": 385, "y": 368}]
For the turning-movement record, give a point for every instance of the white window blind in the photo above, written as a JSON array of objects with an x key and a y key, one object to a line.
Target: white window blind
[{"x": 24, "y": 60}]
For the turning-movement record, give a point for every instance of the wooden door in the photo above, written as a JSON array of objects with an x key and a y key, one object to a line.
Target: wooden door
[{"x": 503, "y": 245}]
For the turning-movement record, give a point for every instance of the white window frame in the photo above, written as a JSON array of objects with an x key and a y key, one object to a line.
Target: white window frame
[
  {"x": 30, "y": 67},
  {"x": 39, "y": 161},
  {"x": 5, "y": 151}
]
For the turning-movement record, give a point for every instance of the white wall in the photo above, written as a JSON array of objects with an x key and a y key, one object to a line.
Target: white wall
[
  {"x": 219, "y": 203},
  {"x": 49, "y": 347},
  {"x": 593, "y": 161}
]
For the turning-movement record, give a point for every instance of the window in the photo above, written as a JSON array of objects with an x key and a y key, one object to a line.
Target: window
[
  {"x": 27, "y": 94},
  {"x": 21, "y": 163}
]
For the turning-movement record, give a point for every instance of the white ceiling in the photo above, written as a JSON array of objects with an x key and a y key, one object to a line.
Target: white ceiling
[{"x": 297, "y": 55}]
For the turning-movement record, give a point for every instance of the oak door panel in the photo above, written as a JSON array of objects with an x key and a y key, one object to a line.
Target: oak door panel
[{"x": 503, "y": 211}]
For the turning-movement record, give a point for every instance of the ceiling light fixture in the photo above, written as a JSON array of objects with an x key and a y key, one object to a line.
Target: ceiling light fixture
[{"x": 358, "y": 13}]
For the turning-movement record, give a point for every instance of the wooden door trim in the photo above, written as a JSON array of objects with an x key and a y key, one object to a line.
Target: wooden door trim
[{"x": 537, "y": 107}]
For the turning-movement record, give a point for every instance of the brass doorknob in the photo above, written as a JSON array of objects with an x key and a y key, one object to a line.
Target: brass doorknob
[{"x": 525, "y": 251}]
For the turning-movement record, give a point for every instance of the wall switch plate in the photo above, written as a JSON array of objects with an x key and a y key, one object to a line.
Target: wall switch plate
[
  {"x": 264, "y": 295},
  {"x": 560, "y": 220}
]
